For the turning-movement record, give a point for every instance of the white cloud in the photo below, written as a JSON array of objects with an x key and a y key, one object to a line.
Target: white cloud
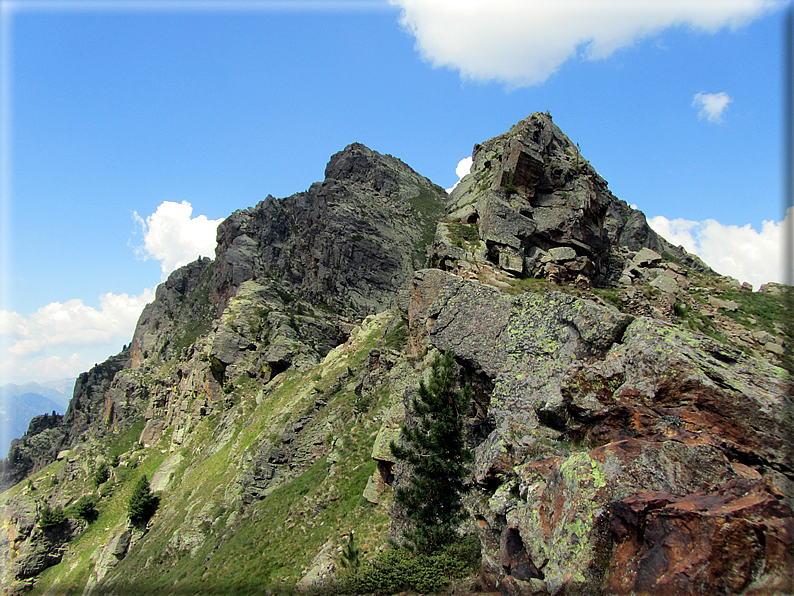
[
  {"x": 172, "y": 237},
  {"x": 711, "y": 105},
  {"x": 52, "y": 367},
  {"x": 53, "y": 341},
  {"x": 463, "y": 168},
  {"x": 741, "y": 252},
  {"x": 523, "y": 42}
]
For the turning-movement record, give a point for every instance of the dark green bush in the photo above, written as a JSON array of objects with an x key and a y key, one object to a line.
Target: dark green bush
[
  {"x": 142, "y": 503},
  {"x": 399, "y": 570},
  {"x": 86, "y": 507},
  {"x": 101, "y": 475},
  {"x": 351, "y": 556},
  {"x": 51, "y": 518}
]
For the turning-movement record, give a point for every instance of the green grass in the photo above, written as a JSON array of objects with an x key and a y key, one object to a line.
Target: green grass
[
  {"x": 430, "y": 207},
  {"x": 462, "y": 232},
  {"x": 397, "y": 338},
  {"x": 191, "y": 331},
  {"x": 111, "y": 511},
  {"x": 766, "y": 309},
  {"x": 263, "y": 545},
  {"x": 122, "y": 442}
]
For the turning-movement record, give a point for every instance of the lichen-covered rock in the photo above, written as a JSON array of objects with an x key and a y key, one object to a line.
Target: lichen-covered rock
[
  {"x": 589, "y": 406},
  {"x": 25, "y": 548}
]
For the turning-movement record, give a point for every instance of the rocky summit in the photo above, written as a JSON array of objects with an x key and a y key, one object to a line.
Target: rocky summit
[{"x": 631, "y": 421}]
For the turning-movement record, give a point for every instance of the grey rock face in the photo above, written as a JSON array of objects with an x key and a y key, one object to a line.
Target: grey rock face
[
  {"x": 349, "y": 242},
  {"x": 178, "y": 315},
  {"x": 532, "y": 194},
  {"x": 40, "y": 446}
]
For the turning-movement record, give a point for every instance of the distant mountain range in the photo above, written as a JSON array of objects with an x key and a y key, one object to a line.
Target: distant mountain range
[{"x": 20, "y": 403}]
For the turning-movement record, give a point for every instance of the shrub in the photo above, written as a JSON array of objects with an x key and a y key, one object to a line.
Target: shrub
[
  {"x": 142, "y": 503},
  {"x": 399, "y": 570},
  {"x": 509, "y": 183},
  {"x": 51, "y": 518},
  {"x": 86, "y": 508},
  {"x": 101, "y": 475}
]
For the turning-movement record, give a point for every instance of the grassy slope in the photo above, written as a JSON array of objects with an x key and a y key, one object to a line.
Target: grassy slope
[{"x": 267, "y": 544}]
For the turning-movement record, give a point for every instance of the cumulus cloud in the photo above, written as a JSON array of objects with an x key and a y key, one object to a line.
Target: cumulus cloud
[
  {"x": 523, "y": 42},
  {"x": 73, "y": 323},
  {"x": 173, "y": 237},
  {"x": 463, "y": 168},
  {"x": 63, "y": 339},
  {"x": 711, "y": 105},
  {"x": 739, "y": 251}
]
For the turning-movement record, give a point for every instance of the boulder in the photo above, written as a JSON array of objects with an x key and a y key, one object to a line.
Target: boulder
[
  {"x": 645, "y": 257},
  {"x": 735, "y": 539},
  {"x": 562, "y": 253},
  {"x": 665, "y": 284}
]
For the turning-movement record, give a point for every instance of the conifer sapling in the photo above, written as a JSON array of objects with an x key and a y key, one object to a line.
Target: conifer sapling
[
  {"x": 142, "y": 503},
  {"x": 436, "y": 451}
]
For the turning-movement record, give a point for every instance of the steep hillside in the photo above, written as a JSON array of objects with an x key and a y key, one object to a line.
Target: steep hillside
[{"x": 631, "y": 420}]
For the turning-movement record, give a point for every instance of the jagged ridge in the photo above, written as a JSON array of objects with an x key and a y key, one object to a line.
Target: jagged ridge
[{"x": 254, "y": 399}]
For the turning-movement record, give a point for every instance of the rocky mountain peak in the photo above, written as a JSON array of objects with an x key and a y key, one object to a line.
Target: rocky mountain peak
[
  {"x": 540, "y": 210},
  {"x": 384, "y": 174},
  {"x": 348, "y": 242}
]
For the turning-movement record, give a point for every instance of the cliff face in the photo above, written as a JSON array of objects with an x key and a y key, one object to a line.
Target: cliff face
[
  {"x": 348, "y": 243},
  {"x": 626, "y": 455},
  {"x": 631, "y": 421}
]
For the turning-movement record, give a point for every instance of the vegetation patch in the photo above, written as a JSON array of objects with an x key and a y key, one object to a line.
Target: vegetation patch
[
  {"x": 396, "y": 338},
  {"x": 430, "y": 207},
  {"x": 463, "y": 232},
  {"x": 399, "y": 570},
  {"x": 124, "y": 440}
]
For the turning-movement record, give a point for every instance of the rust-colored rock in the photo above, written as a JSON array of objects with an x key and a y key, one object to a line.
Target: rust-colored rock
[{"x": 736, "y": 539}]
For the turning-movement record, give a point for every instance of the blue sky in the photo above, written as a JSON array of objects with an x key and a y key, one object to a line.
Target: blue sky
[{"x": 115, "y": 113}]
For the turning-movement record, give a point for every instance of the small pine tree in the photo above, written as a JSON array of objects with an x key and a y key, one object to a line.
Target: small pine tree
[
  {"x": 436, "y": 450},
  {"x": 351, "y": 556},
  {"x": 101, "y": 475},
  {"x": 51, "y": 518},
  {"x": 509, "y": 182},
  {"x": 86, "y": 507},
  {"x": 142, "y": 503}
]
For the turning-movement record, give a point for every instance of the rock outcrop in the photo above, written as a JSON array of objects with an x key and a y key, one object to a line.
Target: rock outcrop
[
  {"x": 537, "y": 208},
  {"x": 348, "y": 243},
  {"x": 619, "y": 443}
]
